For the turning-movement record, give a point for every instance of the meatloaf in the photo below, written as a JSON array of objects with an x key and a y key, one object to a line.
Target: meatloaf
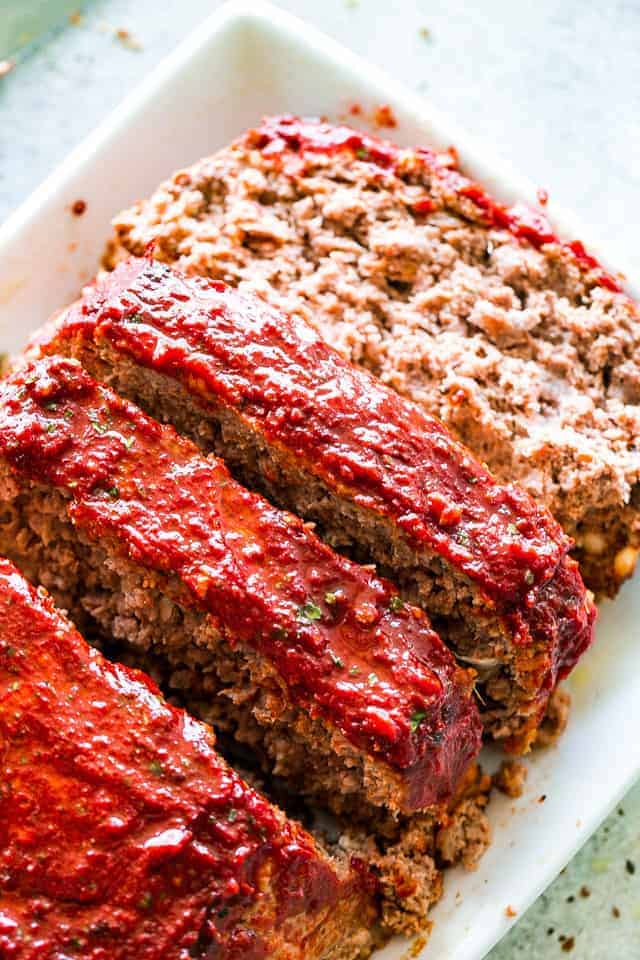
[
  {"x": 124, "y": 834},
  {"x": 126, "y": 521},
  {"x": 521, "y": 344},
  {"x": 381, "y": 476}
]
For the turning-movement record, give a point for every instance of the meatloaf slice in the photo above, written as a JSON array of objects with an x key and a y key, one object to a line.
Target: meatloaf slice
[
  {"x": 519, "y": 343},
  {"x": 124, "y": 834},
  {"x": 125, "y": 520},
  {"x": 380, "y": 475}
]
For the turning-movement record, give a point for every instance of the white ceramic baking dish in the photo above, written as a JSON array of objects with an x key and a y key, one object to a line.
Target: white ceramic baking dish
[{"x": 246, "y": 61}]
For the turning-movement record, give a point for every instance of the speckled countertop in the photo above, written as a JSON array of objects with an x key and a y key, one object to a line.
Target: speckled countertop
[{"x": 555, "y": 87}]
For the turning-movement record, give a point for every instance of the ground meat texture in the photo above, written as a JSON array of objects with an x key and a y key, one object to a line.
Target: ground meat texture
[
  {"x": 383, "y": 479},
  {"x": 520, "y": 344},
  {"x": 162, "y": 548},
  {"x": 125, "y": 834}
]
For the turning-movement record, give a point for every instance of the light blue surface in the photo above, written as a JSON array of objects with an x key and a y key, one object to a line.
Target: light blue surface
[{"x": 554, "y": 87}]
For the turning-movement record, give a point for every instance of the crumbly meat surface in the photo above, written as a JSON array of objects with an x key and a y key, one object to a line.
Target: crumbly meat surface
[{"x": 517, "y": 347}]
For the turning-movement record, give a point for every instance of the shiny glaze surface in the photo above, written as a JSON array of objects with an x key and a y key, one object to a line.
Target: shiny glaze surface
[
  {"x": 122, "y": 832},
  {"x": 280, "y": 134},
  {"x": 347, "y": 650}
]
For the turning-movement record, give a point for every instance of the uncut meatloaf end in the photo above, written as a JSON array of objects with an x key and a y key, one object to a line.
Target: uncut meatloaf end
[
  {"x": 382, "y": 478},
  {"x": 124, "y": 833},
  {"x": 523, "y": 345},
  {"x": 132, "y": 529}
]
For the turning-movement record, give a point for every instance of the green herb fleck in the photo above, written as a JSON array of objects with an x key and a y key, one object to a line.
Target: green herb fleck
[
  {"x": 372, "y": 678},
  {"x": 51, "y": 405},
  {"x": 512, "y": 529},
  {"x": 128, "y": 442},
  {"x": 156, "y": 768},
  {"x": 68, "y": 414},
  {"x": 15, "y": 686},
  {"x": 222, "y": 913},
  {"x": 529, "y": 578},
  {"x": 232, "y": 816},
  {"x": 330, "y": 599},
  {"x": 416, "y": 719},
  {"x": 353, "y": 670},
  {"x": 114, "y": 493},
  {"x": 51, "y": 428},
  {"x": 310, "y": 611},
  {"x": 145, "y": 901},
  {"x": 135, "y": 318},
  {"x": 396, "y": 603},
  {"x": 362, "y": 153},
  {"x": 337, "y": 660}
]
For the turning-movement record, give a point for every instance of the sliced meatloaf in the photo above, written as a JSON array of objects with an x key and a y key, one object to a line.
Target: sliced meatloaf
[
  {"x": 381, "y": 476},
  {"x": 126, "y": 521},
  {"x": 125, "y": 835},
  {"x": 522, "y": 345}
]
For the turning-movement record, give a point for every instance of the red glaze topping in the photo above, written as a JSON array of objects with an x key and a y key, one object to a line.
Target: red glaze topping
[
  {"x": 122, "y": 833},
  {"x": 347, "y": 648},
  {"x": 278, "y": 135},
  {"x": 338, "y": 421}
]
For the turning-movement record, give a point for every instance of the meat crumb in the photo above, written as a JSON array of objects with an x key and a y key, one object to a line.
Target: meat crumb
[
  {"x": 384, "y": 116},
  {"x": 569, "y": 944},
  {"x": 511, "y": 911},
  {"x": 78, "y": 207},
  {"x": 542, "y": 798},
  {"x": 615, "y": 912},
  {"x": 630, "y": 867},
  {"x": 510, "y": 778},
  {"x": 126, "y": 38},
  {"x": 585, "y": 892}
]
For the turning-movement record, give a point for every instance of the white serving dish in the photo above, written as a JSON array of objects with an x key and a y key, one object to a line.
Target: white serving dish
[{"x": 246, "y": 61}]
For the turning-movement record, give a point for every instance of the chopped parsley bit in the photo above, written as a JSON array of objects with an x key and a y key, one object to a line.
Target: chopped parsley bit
[
  {"x": 135, "y": 318},
  {"x": 529, "y": 578},
  {"x": 156, "y": 768},
  {"x": 353, "y": 670},
  {"x": 114, "y": 493},
  {"x": 362, "y": 153},
  {"x": 145, "y": 901},
  {"x": 310, "y": 611},
  {"x": 51, "y": 428},
  {"x": 512, "y": 529},
  {"x": 396, "y": 603},
  {"x": 416, "y": 719},
  {"x": 68, "y": 414},
  {"x": 51, "y": 405},
  {"x": 337, "y": 660},
  {"x": 222, "y": 913},
  {"x": 15, "y": 686},
  {"x": 330, "y": 599},
  {"x": 232, "y": 816},
  {"x": 471, "y": 479},
  {"x": 128, "y": 442},
  {"x": 372, "y": 678}
]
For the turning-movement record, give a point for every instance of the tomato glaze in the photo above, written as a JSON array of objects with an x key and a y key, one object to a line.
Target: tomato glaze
[
  {"x": 348, "y": 650},
  {"x": 122, "y": 832},
  {"x": 338, "y": 421},
  {"x": 277, "y": 135}
]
